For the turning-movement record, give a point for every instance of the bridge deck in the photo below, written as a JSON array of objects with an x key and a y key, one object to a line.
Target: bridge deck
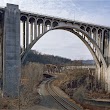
[
  {"x": 64, "y": 19},
  {"x": 60, "y": 19}
]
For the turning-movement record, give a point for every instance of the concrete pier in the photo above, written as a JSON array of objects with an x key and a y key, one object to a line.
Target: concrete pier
[{"x": 11, "y": 60}]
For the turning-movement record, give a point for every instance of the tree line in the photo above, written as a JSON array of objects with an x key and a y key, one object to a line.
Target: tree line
[{"x": 37, "y": 57}]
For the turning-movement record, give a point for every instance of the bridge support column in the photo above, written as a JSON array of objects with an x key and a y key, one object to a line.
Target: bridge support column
[
  {"x": 11, "y": 60},
  {"x": 108, "y": 69},
  {"x": 27, "y": 32},
  {"x": 1, "y": 54},
  {"x": 100, "y": 78},
  {"x": 108, "y": 81},
  {"x": 103, "y": 78}
]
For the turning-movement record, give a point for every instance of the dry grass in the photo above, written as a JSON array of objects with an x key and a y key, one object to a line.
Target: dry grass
[
  {"x": 7, "y": 103},
  {"x": 31, "y": 76},
  {"x": 76, "y": 84}
]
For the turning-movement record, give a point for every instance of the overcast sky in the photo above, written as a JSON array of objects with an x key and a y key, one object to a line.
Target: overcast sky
[{"x": 59, "y": 42}]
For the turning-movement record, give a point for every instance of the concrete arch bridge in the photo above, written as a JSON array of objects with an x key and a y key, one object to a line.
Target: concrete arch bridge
[{"x": 33, "y": 26}]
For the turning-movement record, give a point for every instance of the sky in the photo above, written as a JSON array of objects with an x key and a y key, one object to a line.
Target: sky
[{"x": 59, "y": 42}]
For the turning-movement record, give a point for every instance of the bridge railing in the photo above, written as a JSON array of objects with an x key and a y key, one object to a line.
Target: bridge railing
[
  {"x": 64, "y": 19},
  {"x": 60, "y": 18}
]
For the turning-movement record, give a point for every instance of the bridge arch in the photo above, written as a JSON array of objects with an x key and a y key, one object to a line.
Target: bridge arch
[
  {"x": 47, "y": 24},
  {"x": 83, "y": 35},
  {"x": 82, "y": 27},
  {"x": 55, "y": 23}
]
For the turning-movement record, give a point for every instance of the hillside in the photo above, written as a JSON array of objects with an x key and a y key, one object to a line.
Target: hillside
[{"x": 34, "y": 56}]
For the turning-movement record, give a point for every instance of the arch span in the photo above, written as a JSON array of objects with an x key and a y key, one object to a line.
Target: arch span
[{"x": 83, "y": 35}]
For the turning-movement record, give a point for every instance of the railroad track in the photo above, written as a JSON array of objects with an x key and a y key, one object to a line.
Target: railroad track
[{"x": 61, "y": 101}]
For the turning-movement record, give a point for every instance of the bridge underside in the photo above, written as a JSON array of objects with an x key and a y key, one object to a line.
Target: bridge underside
[{"x": 33, "y": 27}]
